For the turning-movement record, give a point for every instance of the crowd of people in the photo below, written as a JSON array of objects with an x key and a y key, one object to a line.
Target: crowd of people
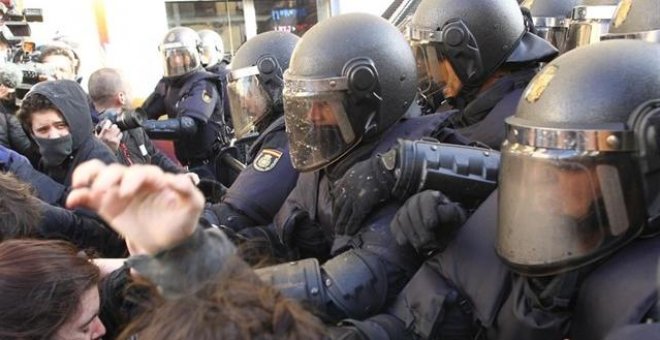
[{"x": 490, "y": 173}]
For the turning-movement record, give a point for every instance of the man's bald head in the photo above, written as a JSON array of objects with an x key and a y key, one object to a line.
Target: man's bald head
[{"x": 107, "y": 88}]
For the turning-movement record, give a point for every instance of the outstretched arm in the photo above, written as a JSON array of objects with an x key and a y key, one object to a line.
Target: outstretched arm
[{"x": 158, "y": 215}]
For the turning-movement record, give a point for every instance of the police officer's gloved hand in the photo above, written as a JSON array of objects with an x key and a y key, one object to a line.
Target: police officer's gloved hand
[
  {"x": 363, "y": 187},
  {"x": 428, "y": 221},
  {"x": 213, "y": 190},
  {"x": 306, "y": 236}
]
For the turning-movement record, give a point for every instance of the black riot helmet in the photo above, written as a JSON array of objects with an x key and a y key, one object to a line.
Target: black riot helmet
[
  {"x": 180, "y": 51},
  {"x": 638, "y": 19},
  {"x": 551, "y": 19},
  {"x": 351, "y": 77},
  {"x": 580, "y": 166},
  {"x": 476, "y": 37},
  {"x": 589, "y": 20},
  {"x": 255, "y": 81}
]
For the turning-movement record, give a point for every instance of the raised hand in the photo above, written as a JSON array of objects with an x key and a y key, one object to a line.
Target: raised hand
[{"x": 153, "y": 210}]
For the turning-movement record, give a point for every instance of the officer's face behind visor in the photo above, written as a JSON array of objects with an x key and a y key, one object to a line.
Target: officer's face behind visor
[
  {"x": 317, "y": 125},
  {"x": 560, "y": 208},
  {"x": 432, "y": 75},
  {"x": 178, "y": 60},
  {"x": 208, "y": 55},
  {"x": 249, "y": 102}
]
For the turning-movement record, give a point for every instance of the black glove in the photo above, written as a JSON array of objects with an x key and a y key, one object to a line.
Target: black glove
[
  {"x": 363, "y": 187},
  {"x": 428, "y": 221},
  {"x": 306, "y": 236},
  {"x": 213, "y": 190}
]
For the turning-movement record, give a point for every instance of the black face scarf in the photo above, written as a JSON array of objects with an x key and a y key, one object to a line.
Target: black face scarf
[{"x": 54, "y": 151}]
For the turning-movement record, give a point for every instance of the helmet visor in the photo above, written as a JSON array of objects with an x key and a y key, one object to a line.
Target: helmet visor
[
  {"x": 587, "y": 25},
  {"x": 560, "y": 209},
  {"x": 209, "y": 55},
  {"x": 648, "y": 36},
  {"x": 582, "y": 34},
  {"x": 432, "y": 76},
  {"x": 179, "y": 60},
  {"x": 318, "y": 128},
  {"x": 554, "y": 35},
  {"x": 248, "y": 101}
]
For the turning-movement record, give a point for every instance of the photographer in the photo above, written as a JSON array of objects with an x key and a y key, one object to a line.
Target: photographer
[
  {"x": 61, "y": 59},
  {"x": 119, "y": 125},
  {"x": 12, "y": 134}
]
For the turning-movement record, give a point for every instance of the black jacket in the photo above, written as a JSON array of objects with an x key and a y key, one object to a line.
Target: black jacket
[
  {"x": 13, "y": 136},
  {"x": 84, "y": 229},
  {"x": 140, "y": 150},
  {"x": 71, "y": 101}
]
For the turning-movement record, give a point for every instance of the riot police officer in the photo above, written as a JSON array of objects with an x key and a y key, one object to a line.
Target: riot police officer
[
  {"x": 570, "y": 215},
  {"x": 551, "y": 19},
  {"x": 638, "y": 21},
  {"x": 189, "y": 96},
  {"x": 589, "y": 20},
  {"x": 479, "y": 70},
  {"x": 213, "y": 59},
  {"x": 343, "y": 101},
  {"x": 213, "y": 51},
  {"x": 255, "y": 96}
]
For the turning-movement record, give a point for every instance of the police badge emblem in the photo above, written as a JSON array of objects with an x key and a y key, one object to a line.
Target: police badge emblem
[
  {"x": 266, "y": 160},
  {"x": 206, "y": 97}
]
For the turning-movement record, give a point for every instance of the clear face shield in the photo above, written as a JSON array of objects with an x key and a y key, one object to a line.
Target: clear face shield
[
  {"x": 588, "y": 24},
  {"x": 178, "y": 59},
  {"x": 432, "y": 76},
  {"x": 209, "y": 55},
  {"x": 648, "y": 36},
  {"x": 553, "y": 30},
  {"x": 248, "y": 101},
  {"x": 561, "y": 207},
  {"x": 317, "y": 123}
]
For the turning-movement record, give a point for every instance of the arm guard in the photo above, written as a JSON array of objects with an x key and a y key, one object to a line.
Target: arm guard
[
  {"x": 464, "y": 174},
  {"x": 352, "y": 284},
  {"x": 174, "y": 128}
]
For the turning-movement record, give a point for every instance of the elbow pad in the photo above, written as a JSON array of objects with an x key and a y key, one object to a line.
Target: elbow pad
[{"x": 174, "y": 128}]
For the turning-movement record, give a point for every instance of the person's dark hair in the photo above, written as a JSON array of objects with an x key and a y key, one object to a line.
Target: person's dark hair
[
  {"x": 32, "y": 103},
  {"x": 49, "y": 50},
  {"x": 236, "y": 305},
  {"x": 103, "y": 85},
  {"x": 42, "y": 283},
  {"x": 19, "y": 208}
]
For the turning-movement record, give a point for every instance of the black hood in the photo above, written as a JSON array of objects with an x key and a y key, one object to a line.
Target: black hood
[{"x": 71, "y": 100}]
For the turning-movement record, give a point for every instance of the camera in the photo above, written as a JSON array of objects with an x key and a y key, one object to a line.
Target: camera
[
  {"x": 126, "y": 121},
  {"x": 32, "y": 73}
]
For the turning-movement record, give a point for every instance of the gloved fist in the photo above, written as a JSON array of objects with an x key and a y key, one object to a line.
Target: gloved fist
[
  {"x": 428, "y": 221},
  {"x": 213, "y": 190},
  {"x": 306, "y": 236},
  {"x": 363, "y": 187}
]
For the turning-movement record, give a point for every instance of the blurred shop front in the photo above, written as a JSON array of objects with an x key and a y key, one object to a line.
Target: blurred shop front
[{"x": 238, "y": 20}]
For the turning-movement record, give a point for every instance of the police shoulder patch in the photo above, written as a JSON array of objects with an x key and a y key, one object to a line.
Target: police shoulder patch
[
  {"x": 266, "y": 160},
  {"x": 206, "y": 97}
]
